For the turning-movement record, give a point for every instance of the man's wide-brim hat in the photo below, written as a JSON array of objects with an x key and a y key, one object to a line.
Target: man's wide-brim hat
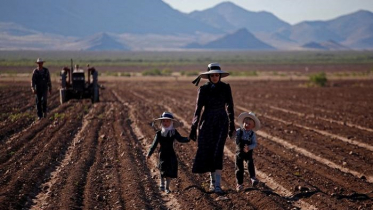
[
  {"x": 39, "y": 60},
  {"x": 212, "y": 68},
  {"x": 251, "y": 115},
  {"x": 166, "y": 116}
]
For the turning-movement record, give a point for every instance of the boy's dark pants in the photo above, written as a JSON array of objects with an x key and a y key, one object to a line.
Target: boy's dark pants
[{"x": 240, "y": 158}]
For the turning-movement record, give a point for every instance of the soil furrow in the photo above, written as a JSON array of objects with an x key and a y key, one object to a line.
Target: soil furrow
[
  {"x": 29, "y": 138},
  {"x": 307, "y": 179},
  {"x": 101, "y": 178},
  {"x": 303, "y": 115},
  {"x": 345, "y": 134},
  {"x": 265, "y": 201},
  {"x": 134, "y": 163},
  {"x": 360, "y": 119},
  {"x": 14, "y": 128},
  {"x": 320, "y": 138},
  {"x": 68, "y": 193},
  {"x": 44, "y": 156},
  {"x": 138, "y": 134},
  {"x": 19, "y": 114},
  {"x": 314, "y": 148},
  {"x": 309, "y": 139},
  {"x": 42, "y": 200},
  {"x": 187, "y": 179},
  {"x": 310, "y": 207}
]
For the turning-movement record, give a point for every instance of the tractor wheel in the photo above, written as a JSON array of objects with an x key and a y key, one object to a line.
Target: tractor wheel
[
  {"x": 63, "y": 80},
  {"x": 63, "y": 96}
]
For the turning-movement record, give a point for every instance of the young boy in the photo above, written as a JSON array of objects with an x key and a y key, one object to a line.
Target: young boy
[
  {"x": 167, "y": 157},
  {"x": 245, "y": 144}
]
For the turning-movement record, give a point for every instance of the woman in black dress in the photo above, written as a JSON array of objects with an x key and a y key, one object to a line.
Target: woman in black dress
[
  {"x": 215, "y": 124},
  {"x": 167, "y": 158}
]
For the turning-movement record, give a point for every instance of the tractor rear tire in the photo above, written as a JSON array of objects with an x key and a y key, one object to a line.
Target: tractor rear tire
[{"x": 63, "y": 96}]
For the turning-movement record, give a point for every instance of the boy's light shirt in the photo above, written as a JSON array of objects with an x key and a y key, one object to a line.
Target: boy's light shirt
[{"x": 246, "y": 135}]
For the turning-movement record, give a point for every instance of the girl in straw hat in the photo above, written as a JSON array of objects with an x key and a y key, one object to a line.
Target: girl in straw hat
[
  {"x": 167, "y": 157},
  {"x": 214, "y": 125},
  {"x": 245, "y": 144}
]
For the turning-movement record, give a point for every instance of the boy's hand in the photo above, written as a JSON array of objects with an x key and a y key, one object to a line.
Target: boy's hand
[
  {"x": 246, "y": 149},
  {"x": 232, "y": 134}
]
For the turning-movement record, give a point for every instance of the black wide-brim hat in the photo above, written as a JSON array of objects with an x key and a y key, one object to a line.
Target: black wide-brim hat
[
  {"x": 166, "y": 116},
  {"x": 212, "y": 68}
]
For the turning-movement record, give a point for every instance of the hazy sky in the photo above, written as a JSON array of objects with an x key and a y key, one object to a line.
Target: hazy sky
[{"x": 291, "y": 11}]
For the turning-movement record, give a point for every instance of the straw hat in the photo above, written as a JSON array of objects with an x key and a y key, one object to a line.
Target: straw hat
[
  {"x": 39, "y": 60},
  {"x": 212, "y": 68},
  {"x": 251, "y": 115}
]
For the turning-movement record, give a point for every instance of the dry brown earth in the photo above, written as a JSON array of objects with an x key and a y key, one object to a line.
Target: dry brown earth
[{"x": 315, "y": 148}]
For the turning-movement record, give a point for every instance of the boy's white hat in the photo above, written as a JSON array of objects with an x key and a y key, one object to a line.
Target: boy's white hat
[{"x": 251, "y": 115}]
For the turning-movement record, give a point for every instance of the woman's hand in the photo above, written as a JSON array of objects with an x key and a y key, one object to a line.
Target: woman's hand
[
  {"x": 232, "y": 130},
  {"x": 193, "y": 134},
  {"x": 232, "y": 134}
]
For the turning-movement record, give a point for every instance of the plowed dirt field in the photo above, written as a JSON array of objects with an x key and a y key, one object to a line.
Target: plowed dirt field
[{"x": 315, "y": 148}]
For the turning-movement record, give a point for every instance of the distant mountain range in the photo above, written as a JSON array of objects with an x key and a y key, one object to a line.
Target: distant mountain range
[
  {"x": 354, "y": 30},
  {"x": 152, "y": 25},
  {"x": 86, "y": 17},
  {"x": 328, "y": 45},
  {"x": 239, "y": 40},
  {"x": 99, "y": 42},
  {"x": 229, "y": 17}
]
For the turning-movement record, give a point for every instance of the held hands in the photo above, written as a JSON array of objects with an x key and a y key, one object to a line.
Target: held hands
[
  {"x": 232, "y": 134},
  {"x": 246, "y": 148}
]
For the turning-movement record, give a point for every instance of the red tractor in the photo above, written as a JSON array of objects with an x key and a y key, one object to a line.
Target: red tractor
[{"x": 75, "y": 86}]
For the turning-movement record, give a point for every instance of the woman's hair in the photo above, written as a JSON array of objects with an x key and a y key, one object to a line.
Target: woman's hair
[{"x": 210, "y": 78}]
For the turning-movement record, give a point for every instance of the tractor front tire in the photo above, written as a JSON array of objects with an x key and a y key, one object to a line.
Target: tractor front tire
[{"x": 63, "y": 96}]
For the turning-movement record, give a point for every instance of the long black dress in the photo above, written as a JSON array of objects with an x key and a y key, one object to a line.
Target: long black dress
[
  {"x": 167, "y": 165},
  {"x": 217, "y": 117}
]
